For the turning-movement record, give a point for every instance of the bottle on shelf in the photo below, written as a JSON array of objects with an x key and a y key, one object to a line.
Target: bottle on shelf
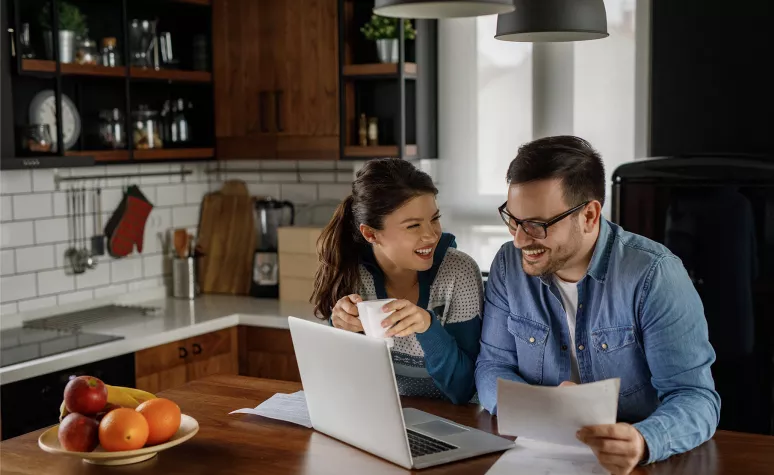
[
  {"x": 363, "y": 131},
  {"x": 373, "y": 132},
  {"x": 110, "y": 55}
]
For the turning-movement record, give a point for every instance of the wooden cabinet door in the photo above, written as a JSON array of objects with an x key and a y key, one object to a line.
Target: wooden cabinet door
[
  {"x": 306, "y": 99},
  {"x": 213, "y": 353},
  {"x": 267, "y": 353},
  {"x": 243, "y": 78},
  {"x": 161, "y": 367}
]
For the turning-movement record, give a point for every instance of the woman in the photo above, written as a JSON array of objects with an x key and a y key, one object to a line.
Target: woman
[{"x": 385, "y": 241}]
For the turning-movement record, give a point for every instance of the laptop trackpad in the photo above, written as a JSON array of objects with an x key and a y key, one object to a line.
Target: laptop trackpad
[{"x": 439, "y": 428}]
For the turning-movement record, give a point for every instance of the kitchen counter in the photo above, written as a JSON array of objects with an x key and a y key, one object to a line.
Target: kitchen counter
[
  {"x": 176, "y": 320},
  {"x": 246, "y": 444}
]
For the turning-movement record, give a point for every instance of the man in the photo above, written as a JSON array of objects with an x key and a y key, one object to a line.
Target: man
[{"x": 577, "y": 299}]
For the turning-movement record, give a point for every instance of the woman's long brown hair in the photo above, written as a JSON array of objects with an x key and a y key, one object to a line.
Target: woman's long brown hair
[{"x": 380, "y": 187}]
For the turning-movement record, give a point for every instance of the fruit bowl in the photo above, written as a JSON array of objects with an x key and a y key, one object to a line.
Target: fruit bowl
[{"x": 49, "y": 441}]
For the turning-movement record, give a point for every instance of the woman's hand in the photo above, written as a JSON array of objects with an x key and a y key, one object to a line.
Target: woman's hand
[
  {"x": 407, "y": 319},
  {"x": 345, "y": 315}
]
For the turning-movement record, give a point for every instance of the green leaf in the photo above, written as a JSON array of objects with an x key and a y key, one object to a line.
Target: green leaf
[{"x": 384, "y": 28}]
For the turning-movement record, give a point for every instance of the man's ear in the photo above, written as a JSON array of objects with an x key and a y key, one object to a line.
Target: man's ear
[
  {"x": 369, "y": 233},
  {"x": 592, "y": 213}
]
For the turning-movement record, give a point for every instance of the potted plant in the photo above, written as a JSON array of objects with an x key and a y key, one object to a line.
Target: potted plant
[
  {"x": 384, "y": 31},
  {"x": 72, "y": 24}
]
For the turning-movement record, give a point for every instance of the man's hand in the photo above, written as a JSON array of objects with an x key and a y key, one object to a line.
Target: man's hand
[
  {"x": 406, "y": 319},
  {"x": 345, "y": 314},
  {"x": 618, "y": 447}
]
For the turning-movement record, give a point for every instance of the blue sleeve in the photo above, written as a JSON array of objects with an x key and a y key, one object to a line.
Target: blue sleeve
[
  {"x": 498, "y": 358},
  {"x": 679, "y": 354}
]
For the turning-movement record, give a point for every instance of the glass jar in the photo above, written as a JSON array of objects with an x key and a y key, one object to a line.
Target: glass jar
[
  {"x": 36, "y": 138},
  {"x": 110, "y": 54},
  {"x": 111, "y": 129},
  {"x": 86, "y": 52},
  {"x": 146, "y": 129}
]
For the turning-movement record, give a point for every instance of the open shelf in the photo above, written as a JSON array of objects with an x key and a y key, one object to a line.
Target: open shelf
[
  {"x": 100, "y": 155},
  {"x": 194, "y": 2},
  {"x": 379, "y": 70},
  {"x": 174, "y": 154},
  {"x": 379, "y": 151},
  {"x": 38, "y": 65},
  {"x": 171, "y": 75}
]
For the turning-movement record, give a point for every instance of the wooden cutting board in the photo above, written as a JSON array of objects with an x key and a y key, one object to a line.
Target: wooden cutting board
[{"x": 227, "y": 240}]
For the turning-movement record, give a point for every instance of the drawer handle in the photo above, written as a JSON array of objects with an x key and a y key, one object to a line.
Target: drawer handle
[
  {"x": 182, "y": 352},
  {"x": 197, "y": 349}
]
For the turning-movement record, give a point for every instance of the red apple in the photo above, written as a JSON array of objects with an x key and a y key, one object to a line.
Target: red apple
[
  {"x": 78, "y": 433},
  {"x": 85, "y": 395}
]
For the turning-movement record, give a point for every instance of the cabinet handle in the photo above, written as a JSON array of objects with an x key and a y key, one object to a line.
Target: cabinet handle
[
  {"x": 182, "y": 352},
  {"x": 262, "y": 111},
  {"x": 197, "y": 349},
  {"x": 278, "y": 109}
]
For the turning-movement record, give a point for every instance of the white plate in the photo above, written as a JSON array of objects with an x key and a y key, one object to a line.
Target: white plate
[
  {"x": 49, "y": 441},
  {"x": 42, "y": 110}
]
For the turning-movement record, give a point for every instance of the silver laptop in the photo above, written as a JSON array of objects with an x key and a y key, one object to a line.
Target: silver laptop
[{"x": 350, "y": 389}]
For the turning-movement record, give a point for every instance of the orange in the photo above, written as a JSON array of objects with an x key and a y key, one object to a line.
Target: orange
[
  {"x": 163, "y": 418},
  {"x": 123, "y": 429}
]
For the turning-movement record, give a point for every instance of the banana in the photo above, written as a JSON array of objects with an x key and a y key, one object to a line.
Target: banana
[
  {"x": 138, "y": 394},
  {"x": 63, "y": 411}
]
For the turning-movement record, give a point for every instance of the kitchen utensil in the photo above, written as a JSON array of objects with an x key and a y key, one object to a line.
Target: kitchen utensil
[
  {"x": 49, "y": 441},
  {"x": 181, "y": 243},
  {"x": 191, "y": 245},
  {"x": 71, "y": 254},
  {"x": 86, "y": 261},
  {"x": 184, "y": 284},
  {"x": 226, "y": 239},
  {"x": 98, "y": 239},
  {"x": 270, "y": 214}
]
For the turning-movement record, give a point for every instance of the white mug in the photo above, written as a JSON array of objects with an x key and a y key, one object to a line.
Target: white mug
[{"x": 371, "y": 316}]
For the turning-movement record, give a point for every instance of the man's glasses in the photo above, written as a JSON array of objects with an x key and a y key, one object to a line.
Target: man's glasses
[{"x": 535, "y": 229}]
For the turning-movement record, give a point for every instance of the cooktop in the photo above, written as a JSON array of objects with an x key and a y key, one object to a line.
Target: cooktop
[{"x": 18, "y": 345}]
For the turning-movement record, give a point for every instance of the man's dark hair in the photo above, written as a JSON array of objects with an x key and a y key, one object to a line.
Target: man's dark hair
[{"x": 571, "y": 159}]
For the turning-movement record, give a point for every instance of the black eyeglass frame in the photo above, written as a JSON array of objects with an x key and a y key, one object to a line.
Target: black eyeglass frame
[{"x": 507, "y": 217}]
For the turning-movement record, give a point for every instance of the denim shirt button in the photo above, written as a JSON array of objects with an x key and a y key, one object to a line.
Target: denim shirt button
[
  {"x": 564, "y": 347},
  {"x": 604, "y": 346},
  {"x": 532, "y": 339},
  {"x": 581, "y": 347}
]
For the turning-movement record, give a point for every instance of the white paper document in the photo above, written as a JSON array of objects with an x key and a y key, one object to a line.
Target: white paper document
[
  {"x": 531, "y": 457},
  {"x": 284, "y": 407},
  {"x": 555, "y": 414}
]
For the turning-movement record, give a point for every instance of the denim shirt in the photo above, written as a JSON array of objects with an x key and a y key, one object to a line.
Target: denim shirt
[{"x": 639, "y": 319}]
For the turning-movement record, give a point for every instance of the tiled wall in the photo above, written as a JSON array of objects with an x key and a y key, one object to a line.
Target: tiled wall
[{"x": 35, "y": 228}]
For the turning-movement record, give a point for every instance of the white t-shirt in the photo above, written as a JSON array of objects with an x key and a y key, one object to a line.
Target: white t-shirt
[{"x": 569, "y": 293}]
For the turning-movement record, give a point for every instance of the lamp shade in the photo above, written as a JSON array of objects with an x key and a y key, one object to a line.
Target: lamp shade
[
  {"x": 553, "y": 21},
  {"x": 424, "y": 9}
]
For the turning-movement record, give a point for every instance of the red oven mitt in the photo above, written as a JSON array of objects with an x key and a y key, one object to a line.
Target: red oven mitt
[{"x": 126, "y": 227}]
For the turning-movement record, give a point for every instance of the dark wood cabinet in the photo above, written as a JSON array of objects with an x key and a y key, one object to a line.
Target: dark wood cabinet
[
  {"x": 267, "y": 353},
  {"x": 276, "y": 79}
]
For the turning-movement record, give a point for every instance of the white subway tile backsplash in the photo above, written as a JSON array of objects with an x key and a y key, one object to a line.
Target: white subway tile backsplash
[
  {"x": 7, "y": 309},
  {"x": 33, "y": 206},
  {"x": 111, "y": 198},
  {"x": 153, "y": 266},
  {"x": 316, "y": 164},
  {"x": 49, "y": 231},
  {"x": 7, "y": 263},
  {"x": 120, "y": 170},
  {"x": 123, "y": 270},
  {"x": 6, "y": 211},
  {"x": 15, "y": 181},
  {"x": 185, "y": 216},
  {"x": 16, "y": 234},
  {"x": 299, "y": 193},
  {"x": 17, "y": 287},
  {"x": 74, "y": 297},
  {"x": 152, "y": 283},
  {"x": 309, "y": 177},
  {"x": 43, "y": 180},
  {"x": 55, "y": 282},
  {"x": 334, "y": 192},
  {"x": 59, "y": 254},
  {"x": 153, "y": 168},
  {"x": 278, "y": 165},
  {"x": 93, "y": 277},
  {"x": 244, "y": 164},
  {"x": 280, "y": 177},
  {"x": 37, "y": 304},
  {"x": 110, "y": 291},
  {"x": 344, "y": 165},
  {"x": 345, "y": 177},
  {"x": 194, "y": 192},
  {"x": 30, "y": 259},
  {"x": 264, "y": 190},
  {"x": 159, "y": 222},
  {"x": 62, "y": 206},
  {"x": 170, "y": 195}
]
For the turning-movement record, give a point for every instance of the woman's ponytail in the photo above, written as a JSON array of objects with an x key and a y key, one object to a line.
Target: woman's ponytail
[{"x": 338, "y": 274}]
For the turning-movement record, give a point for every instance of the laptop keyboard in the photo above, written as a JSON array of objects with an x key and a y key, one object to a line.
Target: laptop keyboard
[{"x": 423, "y": 445}]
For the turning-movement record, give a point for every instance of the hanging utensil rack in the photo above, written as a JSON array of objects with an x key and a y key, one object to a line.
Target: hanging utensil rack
[{"x": 58, "y": 179}]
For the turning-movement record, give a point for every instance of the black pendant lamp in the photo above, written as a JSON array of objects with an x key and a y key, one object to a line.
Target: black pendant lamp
[
  {"x": 553, "y": 21},
  {"x": 422, "y": 9}
]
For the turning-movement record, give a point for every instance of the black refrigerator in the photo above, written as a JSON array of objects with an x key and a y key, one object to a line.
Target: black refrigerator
[{"x": 716, "y": 213}]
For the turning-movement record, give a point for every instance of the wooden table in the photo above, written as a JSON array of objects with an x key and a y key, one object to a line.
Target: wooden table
[{"x": 246, "y": 444}]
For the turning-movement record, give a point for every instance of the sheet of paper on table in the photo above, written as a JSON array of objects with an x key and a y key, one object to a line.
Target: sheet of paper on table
[
  {"x": 531, "y": 457},
  {"x": 283, "y": 407},
  {"x": 554, "y": 414}
]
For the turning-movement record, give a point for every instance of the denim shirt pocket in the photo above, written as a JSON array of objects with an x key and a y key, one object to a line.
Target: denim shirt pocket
[
  {"x": 531, "y": 337},
  {"x": 620, "y": 356}
]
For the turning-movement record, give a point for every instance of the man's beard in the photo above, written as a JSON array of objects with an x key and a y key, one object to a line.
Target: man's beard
[{"x": 558, "y": 257}]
